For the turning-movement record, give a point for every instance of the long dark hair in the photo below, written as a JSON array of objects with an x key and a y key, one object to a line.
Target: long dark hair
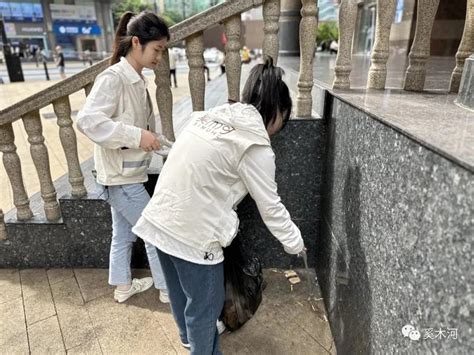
[
  {"x": 146, "y": 26},
  {"x": 266, "y": 90}
]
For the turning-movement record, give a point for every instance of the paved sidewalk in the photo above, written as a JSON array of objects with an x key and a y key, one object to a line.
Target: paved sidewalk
[
  {"x": 72, "y": 311},
  {"x": 11, "y": 93}
]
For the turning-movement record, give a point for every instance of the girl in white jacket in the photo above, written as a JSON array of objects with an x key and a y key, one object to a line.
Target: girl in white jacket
[
  {"x": 118, "y": 117},
  {"x": 220, "y": 156}
]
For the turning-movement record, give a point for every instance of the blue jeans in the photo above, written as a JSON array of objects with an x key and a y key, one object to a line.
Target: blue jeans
[
  {"x": 127, "y": 203},
  {"x": 197, "y": 297}
]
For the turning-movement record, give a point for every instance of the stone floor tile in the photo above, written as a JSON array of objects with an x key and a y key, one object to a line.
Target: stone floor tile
[
  {"x": 37, "y": 297},
  {"x": 93, "y": 283},
  {"x": 45, "y": 337},
  {"x": 293, "y": 306},
  {"x": 129, "y": 327},
  {"x": 13, "y": 338},
  {"x": 76, "y": 325},
  {"x": 58, "y": 275},
  {"x": 90, "y": 348},
  {"x": 10, "y": 287}
]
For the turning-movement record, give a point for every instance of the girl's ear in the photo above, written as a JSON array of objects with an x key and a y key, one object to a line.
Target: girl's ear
[{"x": 135, "y": 42}]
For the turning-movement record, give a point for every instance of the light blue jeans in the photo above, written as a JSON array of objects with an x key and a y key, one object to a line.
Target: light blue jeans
[{"x": 127, "y": 203}]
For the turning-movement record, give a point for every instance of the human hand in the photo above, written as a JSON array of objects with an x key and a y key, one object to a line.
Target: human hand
[
  {"x": 149, "y": 142},
  {"x": 165, "y": 144},
  {"x": 302, "y": 253}
]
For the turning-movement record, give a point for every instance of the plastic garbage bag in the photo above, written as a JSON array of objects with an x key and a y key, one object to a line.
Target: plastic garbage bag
[{"x": 244, "y": 286}]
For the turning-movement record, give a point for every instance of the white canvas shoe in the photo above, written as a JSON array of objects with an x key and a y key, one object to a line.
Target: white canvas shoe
[
  {"x": 164, "y": 296},
  {"x": 138, "y": 285},
  {"x": 220, "y": 327}
]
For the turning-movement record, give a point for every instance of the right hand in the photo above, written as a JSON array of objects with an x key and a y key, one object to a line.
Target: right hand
[
  {"x": 149, "y": 142},
  {"x": 302, "y": 252}
]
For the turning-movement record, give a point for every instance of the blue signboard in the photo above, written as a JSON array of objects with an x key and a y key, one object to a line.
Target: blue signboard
[
  {"x": 21, "y": 12},
  {"x": 81, "y": 28}
]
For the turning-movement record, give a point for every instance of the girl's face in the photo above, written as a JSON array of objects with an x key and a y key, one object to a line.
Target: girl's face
[
  {"x": 149, "y": 55},
  {"x": 276, "y": 126}
]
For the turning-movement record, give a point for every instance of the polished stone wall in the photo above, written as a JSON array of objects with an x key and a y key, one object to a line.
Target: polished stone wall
[
  {"x": 395, "y": 247},
  {"x": 299, "y": 151}
]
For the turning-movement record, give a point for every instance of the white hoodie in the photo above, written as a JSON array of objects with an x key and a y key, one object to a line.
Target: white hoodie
[{"x": 208, "y": 172}]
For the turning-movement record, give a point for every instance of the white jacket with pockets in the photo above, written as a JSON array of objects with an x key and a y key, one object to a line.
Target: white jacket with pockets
[{"x": 116, "y": 110}]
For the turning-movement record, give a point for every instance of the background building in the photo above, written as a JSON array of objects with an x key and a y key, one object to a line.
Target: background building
[{"x": 76, "y": 25}]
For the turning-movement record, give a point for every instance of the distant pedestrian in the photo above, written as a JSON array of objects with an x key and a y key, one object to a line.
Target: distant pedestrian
[
  {"x": 88, "y": 57},
  {"x": 172, "y": 57},
  {"x": 60, "y": 62},
  {"x": 221, "y": 60}
]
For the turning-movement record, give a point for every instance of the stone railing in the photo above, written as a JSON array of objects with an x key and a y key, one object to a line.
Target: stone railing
[
  {"x": 420, "y": 49},
  {"x": 191, "y": 31}
]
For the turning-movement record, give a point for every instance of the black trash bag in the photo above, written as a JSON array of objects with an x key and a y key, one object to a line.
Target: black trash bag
[{"x": 244, "y": 286}]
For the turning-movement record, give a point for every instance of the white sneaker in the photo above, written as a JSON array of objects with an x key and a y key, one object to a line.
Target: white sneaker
[
  {"x": 164, "y": 296},
  {"x": 138, "y": 285},
  {"x": 220, "y": 327},
  {"x": 186, "y": 345}
]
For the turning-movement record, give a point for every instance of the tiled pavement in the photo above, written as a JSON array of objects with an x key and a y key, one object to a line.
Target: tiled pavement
[{"x": 60, "y": 311}]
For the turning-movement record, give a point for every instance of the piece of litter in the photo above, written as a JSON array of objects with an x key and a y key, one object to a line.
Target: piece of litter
[
  {"x": 294, "y": 280},
  {"x": 290, "y": 273}
]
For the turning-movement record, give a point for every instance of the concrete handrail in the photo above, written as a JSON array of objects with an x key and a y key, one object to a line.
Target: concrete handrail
[{"x": 178, "y": 32}]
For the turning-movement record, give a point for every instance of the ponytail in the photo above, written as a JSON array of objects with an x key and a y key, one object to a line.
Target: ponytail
[
  {"x": 266, "y": 90},
  {"x": 146, "y": 26},
  {"x": 122, "y": 42}
]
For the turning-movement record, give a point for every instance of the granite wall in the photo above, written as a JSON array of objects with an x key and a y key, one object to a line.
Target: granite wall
[
  {"x": 299, "y": 151},
  {"x": 395, "y": 247}
]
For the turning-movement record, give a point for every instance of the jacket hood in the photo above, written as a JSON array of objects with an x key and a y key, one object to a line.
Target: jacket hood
[{"x": 240, "y": 116}]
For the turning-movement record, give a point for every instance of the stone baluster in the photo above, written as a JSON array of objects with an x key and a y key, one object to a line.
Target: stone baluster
[
  {"x": 164, "y": 96},
  {"x": 3, "y": 230},
  {"x": 39, "y": 153},
  {"x": 197, "y": 86},
  {"x": 347, "y": 22},
  {"x": 420, "y": 49},
  {"x": 233, "y": 64},
  {"x": 308, "y": 25},
  {"x": 62, "y": 109},
  {"x": 12, "y": 164},
  {"x": 381, "y": 49},
  {"x": 271, "y": 16},
  {"x": 88, "y": 88},
  {"x": 466, "y": 47}
]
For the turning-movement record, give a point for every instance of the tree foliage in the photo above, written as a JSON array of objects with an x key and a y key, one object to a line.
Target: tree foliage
[
  {"x": 135, "y": 6},
  {"x": 327, "y": 32}
]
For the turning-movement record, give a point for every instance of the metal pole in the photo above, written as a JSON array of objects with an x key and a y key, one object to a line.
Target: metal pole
[
  {"x": 46, "y": 69},
  {"x": 13, "y": 62}
]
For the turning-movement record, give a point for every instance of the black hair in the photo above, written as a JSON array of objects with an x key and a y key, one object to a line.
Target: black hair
[
  {"x": 146, "y": 26},
  {"x": 266, "y": 90}
]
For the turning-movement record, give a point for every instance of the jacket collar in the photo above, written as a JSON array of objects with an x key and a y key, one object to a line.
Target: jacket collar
[{"x": 130, "y": 73}]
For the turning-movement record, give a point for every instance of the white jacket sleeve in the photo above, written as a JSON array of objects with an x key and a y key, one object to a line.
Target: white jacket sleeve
[
  {"x": 257, "y": 171},
  {"x": 96, "y": 119}
]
